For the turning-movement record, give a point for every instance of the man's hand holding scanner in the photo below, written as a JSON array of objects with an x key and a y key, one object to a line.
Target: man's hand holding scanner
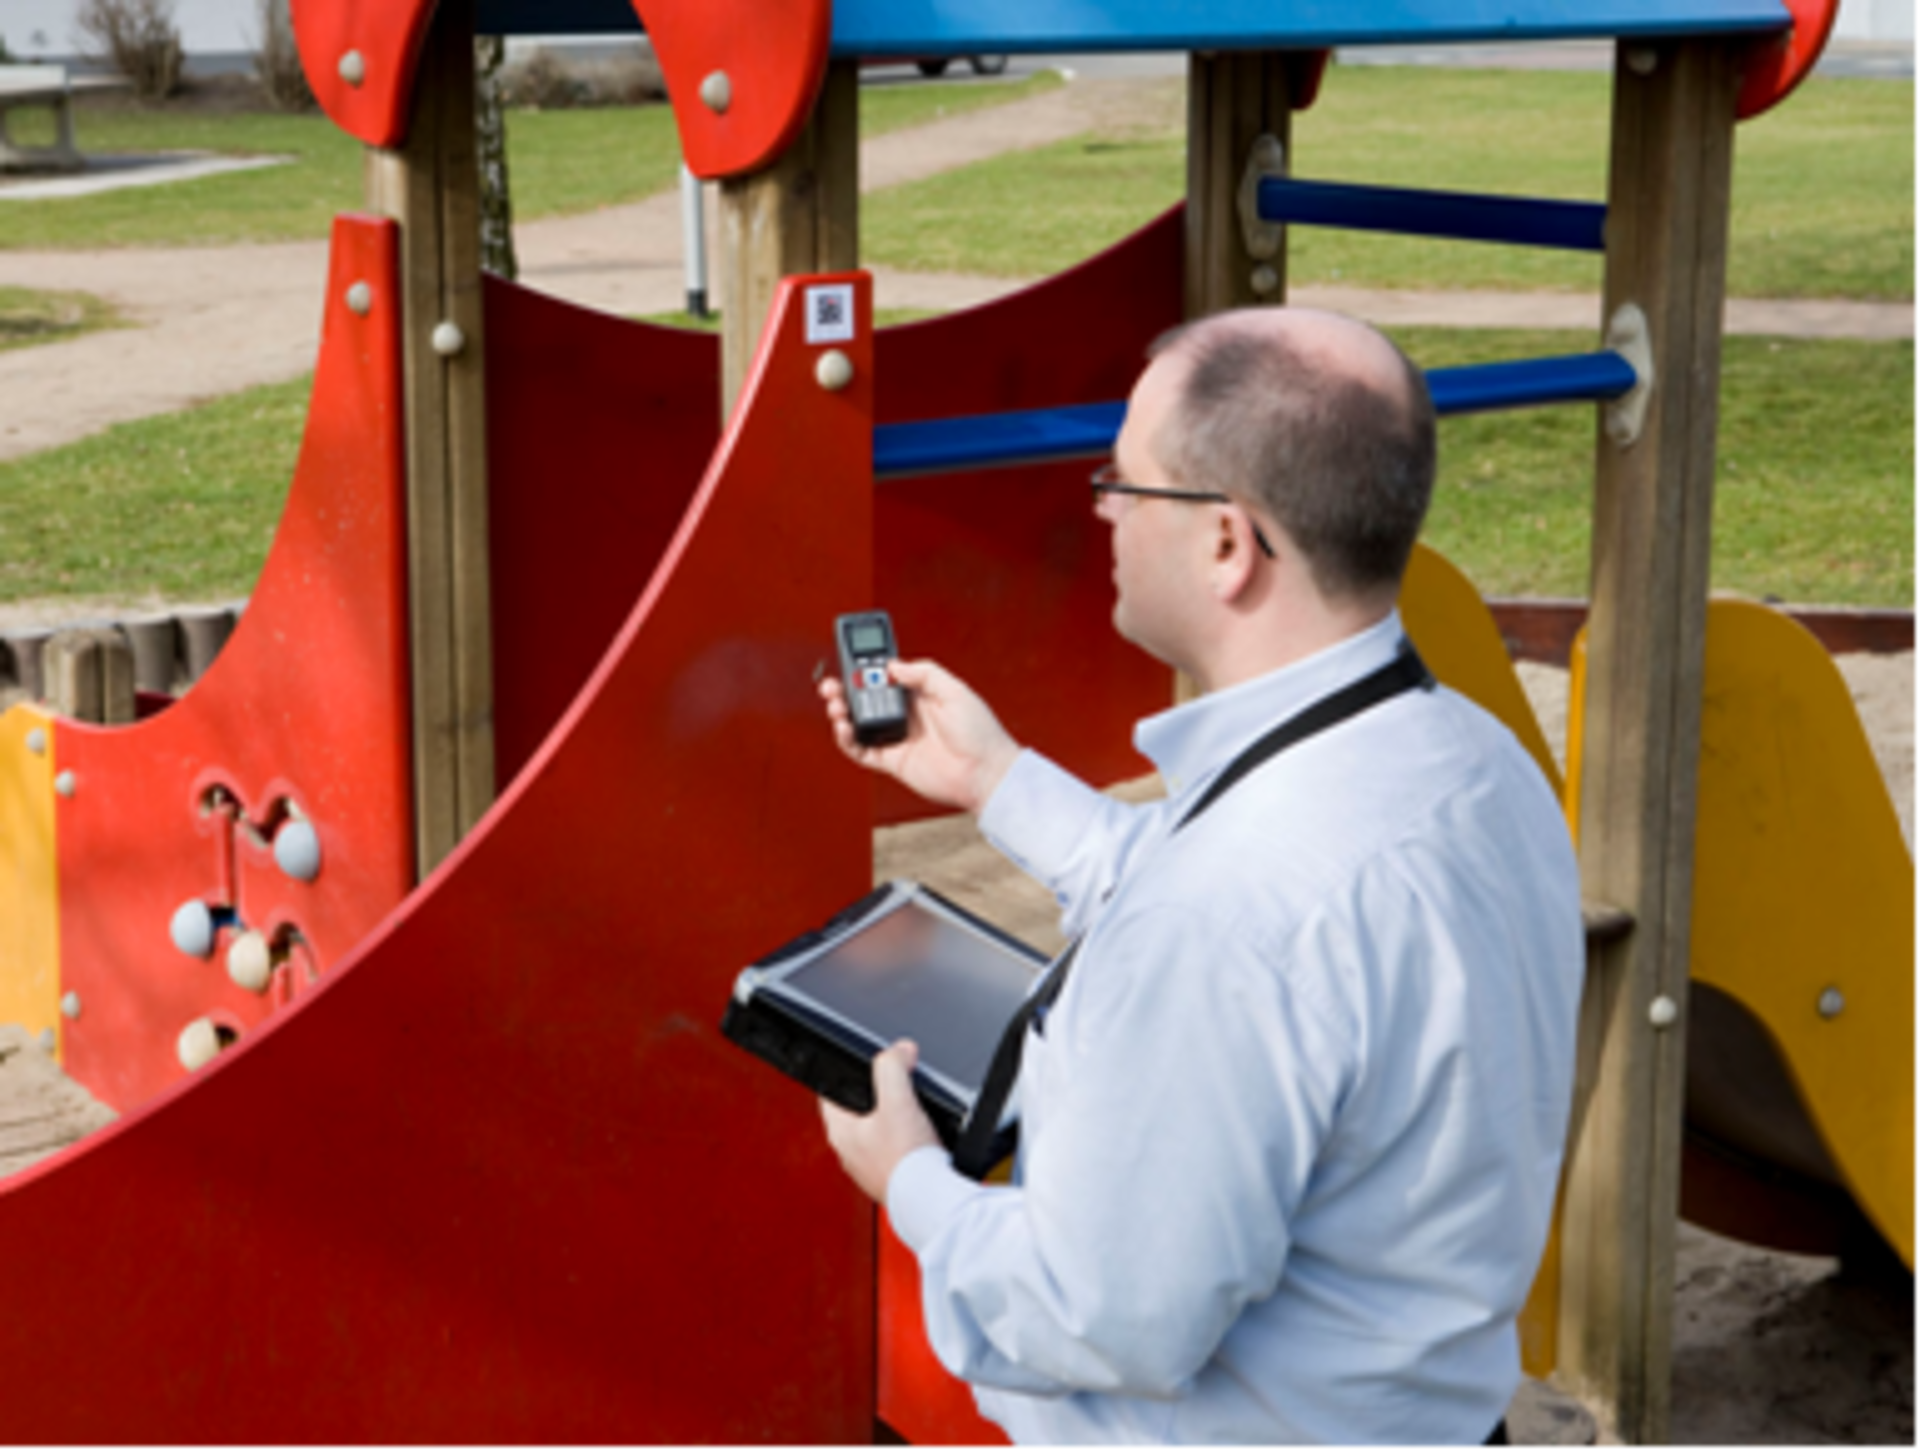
[
  {"x": 872, "y": 1145},
  {"x": 955, "y": 752}
]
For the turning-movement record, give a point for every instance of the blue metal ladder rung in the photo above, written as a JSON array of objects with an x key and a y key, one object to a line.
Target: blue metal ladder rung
[
  {"x": 1087, "y": 430},
  {"x": 1461, "y": 216}
]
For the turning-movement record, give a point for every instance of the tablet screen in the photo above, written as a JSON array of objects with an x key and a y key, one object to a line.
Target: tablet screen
[{"x": 916, "y": 973}]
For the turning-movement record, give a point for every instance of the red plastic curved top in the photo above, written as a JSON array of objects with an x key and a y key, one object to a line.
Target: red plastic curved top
[
  {"x": 1776, "y": 65},
  {"x": 740, "y": 91}
]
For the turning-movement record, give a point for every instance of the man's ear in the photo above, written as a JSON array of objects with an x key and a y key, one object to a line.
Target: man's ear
[{"x": 1234, "y": 548}]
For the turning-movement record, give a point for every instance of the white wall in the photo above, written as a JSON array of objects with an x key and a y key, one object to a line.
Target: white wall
[
  {"x": 34, "y": 28},
  {"x": 1874, "y": 20}
]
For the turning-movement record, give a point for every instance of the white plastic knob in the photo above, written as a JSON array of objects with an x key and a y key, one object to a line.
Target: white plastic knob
[
  {"x": 360, "y": 299},
  {"x": 37, "y": 740},
  {"x": 1265, "y": 280},
  {"x": 716, "y": 92},
  {"x": 448, "y": 340},
  {"x": 66, "y": 783},
  {"x": 1663, "y": 1012},
  {"x": 198, "y": 1044},
  {"x": 834, "y": 370},
  {"x": 353, "y": 67},
  {"x": 250, "y": 962},
  {"x": 296, "y": 847},
  {"x": 1832, "y": 1003},
  {"x": 192, "y": 928},
  {"x": 70, "y": 1005}
]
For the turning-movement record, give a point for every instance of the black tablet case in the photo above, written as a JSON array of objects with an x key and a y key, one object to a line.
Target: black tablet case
[{"x": 825, "y": 1054}]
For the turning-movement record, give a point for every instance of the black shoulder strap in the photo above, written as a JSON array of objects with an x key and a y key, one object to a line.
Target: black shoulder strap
[{"x": 980, "y": 1146}]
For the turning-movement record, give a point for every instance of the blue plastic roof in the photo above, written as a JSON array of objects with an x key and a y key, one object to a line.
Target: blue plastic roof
[
  {"x": 979, "y": 27},
  {"x": 971, "y": 27}
]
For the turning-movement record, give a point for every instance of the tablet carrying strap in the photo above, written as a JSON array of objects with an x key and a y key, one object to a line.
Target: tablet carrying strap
[{"x": 981, "y": 1144}]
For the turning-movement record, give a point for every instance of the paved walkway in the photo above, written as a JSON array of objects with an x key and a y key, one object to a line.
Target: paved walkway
[{"x": 213, "y": 320}]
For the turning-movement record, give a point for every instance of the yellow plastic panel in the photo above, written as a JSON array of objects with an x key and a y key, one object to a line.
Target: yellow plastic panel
[
  {"x": 1455, "y": 633},
  {"x": 29, "y": 873},
  {"x": 1803, "y": 888}
]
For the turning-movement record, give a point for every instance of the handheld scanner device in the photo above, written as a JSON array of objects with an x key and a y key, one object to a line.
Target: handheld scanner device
[{"x": 877, "y": 705}]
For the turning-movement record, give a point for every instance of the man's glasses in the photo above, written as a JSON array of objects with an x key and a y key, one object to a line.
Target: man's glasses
[{"x": 1107, "y": 480}]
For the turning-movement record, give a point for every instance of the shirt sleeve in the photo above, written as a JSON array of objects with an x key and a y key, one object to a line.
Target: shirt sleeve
[
  {"x": 1186, "y": 1102},
  {"x": 1070, "y": 838}
]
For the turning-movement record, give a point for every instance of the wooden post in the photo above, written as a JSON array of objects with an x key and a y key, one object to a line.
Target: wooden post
[
  {"x": 801, "y": 214},
  {"x": 90, "y": 676},
  {"x": 431, "y": 187},
  {"x": 1667, "y": 238},
  {"x": 1233, "y": 99}
]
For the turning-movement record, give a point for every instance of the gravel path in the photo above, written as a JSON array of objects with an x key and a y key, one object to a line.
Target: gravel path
[{"x": 212, "y": 320}]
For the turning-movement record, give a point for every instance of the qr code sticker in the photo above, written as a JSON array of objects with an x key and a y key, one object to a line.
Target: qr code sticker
[{"x": 830, "y": 313}]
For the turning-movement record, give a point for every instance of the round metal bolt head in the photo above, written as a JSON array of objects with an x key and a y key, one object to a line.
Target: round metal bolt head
[
  {"x": 1265, "y": 280},
  {"x": 1832, "y": 1003},
  {"x": 1663, "y": 1012},
  {"x": 716, "y": 92},
  {"x": 834, "y": 370},
  {"x": 66, "y": 783},
  {"x": 37, "y": 740},
  {"x": 70, "y": 1005},
  {"x": 360, "y": 299},
  {"x": 1643, "y": 60},
  {"x": 198, "y": 1044},
  {"x": 353, "y": 67},
  {"x": 250, "y": 962},
  {"x": 296, "y": 847},
  {"x": 448, "y": 340},
  {"x": 192, "y": 928}
]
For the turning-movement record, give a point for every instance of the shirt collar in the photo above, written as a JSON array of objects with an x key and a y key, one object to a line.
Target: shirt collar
[{"x": 1193, "y": 740}]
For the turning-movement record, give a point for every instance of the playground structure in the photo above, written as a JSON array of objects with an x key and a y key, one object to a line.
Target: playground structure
[{"x": 442, "y": 874}]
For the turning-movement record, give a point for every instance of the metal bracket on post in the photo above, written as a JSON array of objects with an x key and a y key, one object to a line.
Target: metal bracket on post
[
  {"x": 1266, "y": 157},
  {"x": 1627, "y": 335}
]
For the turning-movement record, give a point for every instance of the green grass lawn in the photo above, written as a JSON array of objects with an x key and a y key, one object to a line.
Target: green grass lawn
[
  {"x": 28, "y": 317},
  {"x": 1815, "y": 498},
  {"x": 559, "y": 161},
  {"x": 1823, "y": 187}
]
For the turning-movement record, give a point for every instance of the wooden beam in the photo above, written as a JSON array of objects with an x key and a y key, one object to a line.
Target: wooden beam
[
  {"x": 431, "y": 186},
  {"x": 1667, "y": 238},
  {"x": 799, "y": 215},
  {"x": 1233, "y": 99}
]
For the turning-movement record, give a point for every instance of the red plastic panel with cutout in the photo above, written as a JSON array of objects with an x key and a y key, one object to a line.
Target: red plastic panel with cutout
[
  {"x": 498, "y": 1177},
  {"x": 307, "y": 705}
]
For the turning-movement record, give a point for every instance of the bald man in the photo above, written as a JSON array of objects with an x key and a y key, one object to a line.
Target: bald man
[{"x": 1291, "y": 1119}]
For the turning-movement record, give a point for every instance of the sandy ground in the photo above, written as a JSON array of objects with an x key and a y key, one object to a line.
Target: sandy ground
[{"x": 1768, "y": 1348}]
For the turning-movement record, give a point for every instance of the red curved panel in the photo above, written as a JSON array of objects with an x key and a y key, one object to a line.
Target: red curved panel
[
  {"x": 1005, "y": 574},
  {"x": 308, "y": 703},
  {"x": 598, "y": 432},
  {"x": 1776, "y": 66},
  {"x": 499, "y": 1178},
  {"x": 360, "y": 57},
  {"x": 773, "y": 64}
]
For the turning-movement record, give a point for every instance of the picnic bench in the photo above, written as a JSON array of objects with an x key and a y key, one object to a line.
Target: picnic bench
[{"x": 39, "y": 85}]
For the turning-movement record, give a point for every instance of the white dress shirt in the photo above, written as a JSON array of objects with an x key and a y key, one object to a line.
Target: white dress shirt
[{"x": 1291, "y": 1133}]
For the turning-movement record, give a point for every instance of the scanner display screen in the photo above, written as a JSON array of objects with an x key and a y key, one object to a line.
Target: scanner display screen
[
  {"x": 916, "y": 974},
  {"x": 867, "y": 639}
]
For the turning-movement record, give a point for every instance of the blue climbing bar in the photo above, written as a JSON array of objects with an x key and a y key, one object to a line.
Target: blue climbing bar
[
  {"x": 1462, "y": 216},
  {"x": 1000, "y": 440}
]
